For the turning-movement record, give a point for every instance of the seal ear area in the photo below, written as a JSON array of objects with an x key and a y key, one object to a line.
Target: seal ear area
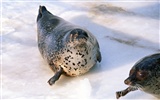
[{"x": 78, "y": 34}]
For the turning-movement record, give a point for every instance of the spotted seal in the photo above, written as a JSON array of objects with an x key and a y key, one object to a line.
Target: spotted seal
[
  {"x": 68, "y": 49},
  {"x": 144, "y": 75}
]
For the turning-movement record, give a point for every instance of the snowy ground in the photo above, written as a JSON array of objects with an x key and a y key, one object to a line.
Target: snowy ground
[{"x": 126, "y": 31}]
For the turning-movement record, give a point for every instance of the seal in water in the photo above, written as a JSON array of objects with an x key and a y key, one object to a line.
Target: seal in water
[
  {"x": 67, "y": 48},
  {"x": 144, "y": 75}
]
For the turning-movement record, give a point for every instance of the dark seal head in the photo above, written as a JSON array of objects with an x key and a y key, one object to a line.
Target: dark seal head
[
  {"x": 68, "y": 49},
  {"x": 144, "y": 75}
]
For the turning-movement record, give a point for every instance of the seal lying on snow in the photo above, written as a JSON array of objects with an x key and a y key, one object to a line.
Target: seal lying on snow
[
  {"x": 67, "y": 48},
  {"x": 144, "y": 75}
]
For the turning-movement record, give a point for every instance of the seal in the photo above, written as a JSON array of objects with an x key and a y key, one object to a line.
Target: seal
[
  {"x": 144, "y": 75},
  {"x": 67, "y": 48}
]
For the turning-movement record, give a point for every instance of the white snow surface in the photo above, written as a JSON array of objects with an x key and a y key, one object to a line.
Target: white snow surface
[{"x": 126, "y": 31}]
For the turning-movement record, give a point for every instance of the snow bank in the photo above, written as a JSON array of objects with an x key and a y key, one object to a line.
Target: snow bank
[{"x": 126, "y": 31}]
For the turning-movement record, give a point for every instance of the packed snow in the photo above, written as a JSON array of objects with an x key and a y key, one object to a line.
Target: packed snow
[{"x": 126, "y": 32}]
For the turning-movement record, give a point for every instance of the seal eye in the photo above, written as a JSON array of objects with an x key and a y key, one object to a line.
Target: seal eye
[{"x": 141, "y": 75}]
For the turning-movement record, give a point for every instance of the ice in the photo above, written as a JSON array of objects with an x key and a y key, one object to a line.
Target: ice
[{"x": 126, "y": 32}]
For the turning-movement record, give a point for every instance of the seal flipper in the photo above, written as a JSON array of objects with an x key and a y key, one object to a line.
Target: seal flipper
[
  {"x": 41, "y": 10},
  {"x": 57, "y": 75},
  {"x": 99, "y": 57},
  {"x": 124, "y": 92}
]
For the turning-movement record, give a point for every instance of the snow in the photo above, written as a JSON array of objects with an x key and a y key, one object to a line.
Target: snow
[{"x": 126, "y": 32}]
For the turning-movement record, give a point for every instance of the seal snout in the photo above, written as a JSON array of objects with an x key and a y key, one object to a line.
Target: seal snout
[{"x": 129, "y": 81}]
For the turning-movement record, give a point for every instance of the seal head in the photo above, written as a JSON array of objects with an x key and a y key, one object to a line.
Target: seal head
[{"x": 145, "y": 75}]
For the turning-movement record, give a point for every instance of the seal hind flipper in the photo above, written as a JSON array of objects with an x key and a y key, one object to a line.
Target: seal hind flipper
[
  {"x": 42, "y": 9},
  {"x": 57, "y": 75},
  {"x": 40, "y": 12}
]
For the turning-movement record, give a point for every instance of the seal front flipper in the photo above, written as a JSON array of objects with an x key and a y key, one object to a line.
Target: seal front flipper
[
  {"x": 124, "y": 92},
  {"x": 57, "y": 75}
]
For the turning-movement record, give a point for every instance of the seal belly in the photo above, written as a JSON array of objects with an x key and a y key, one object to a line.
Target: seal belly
[{"x": 76, "y": 60}]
